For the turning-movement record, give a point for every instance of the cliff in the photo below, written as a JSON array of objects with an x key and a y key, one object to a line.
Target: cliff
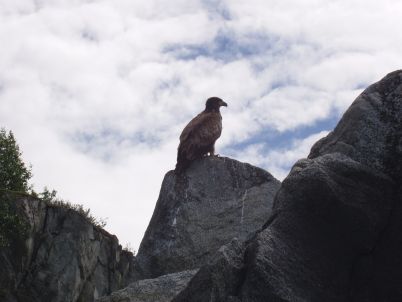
[{"x": 62, "y": 258}]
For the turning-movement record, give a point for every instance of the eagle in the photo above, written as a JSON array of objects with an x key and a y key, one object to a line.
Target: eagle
[{"x": 198, "y": 137}]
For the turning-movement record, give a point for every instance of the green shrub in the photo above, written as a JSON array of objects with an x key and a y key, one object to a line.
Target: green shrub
[
  {"x": 14, "y": 174},
  {"x": 50, "y": 197},
  {"x": 12, "y": 226},
  {"x": 14, "y": 177}
]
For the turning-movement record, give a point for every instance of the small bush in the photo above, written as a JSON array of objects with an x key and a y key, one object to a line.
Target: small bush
[
  {"x": 129, "y": 248},
  {"x": 50, "y": 197}
]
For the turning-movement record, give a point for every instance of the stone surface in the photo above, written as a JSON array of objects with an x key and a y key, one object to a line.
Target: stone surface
[
  {"x": 332, "y": 236},
  {"x": 63, "y": 259},
  {"x": 161, "y": 289},
  {"x": 335, "y": 231},
  {"x": 216, "y": 200},
  {"x": 218, "y": 280}
]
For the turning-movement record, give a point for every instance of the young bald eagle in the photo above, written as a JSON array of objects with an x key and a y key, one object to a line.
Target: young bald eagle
[{"x": 199, "y": 136}]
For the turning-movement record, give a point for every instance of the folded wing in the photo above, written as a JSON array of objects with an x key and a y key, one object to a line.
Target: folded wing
[{"x": 198, "y": 137}]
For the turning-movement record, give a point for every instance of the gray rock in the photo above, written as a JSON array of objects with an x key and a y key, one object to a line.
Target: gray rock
[
  {"x": 64, "y": 258},
  {"x": 334, "y": 234},
  {"x": 219, "y": 279},
  {"x": 335, "y": 230},
  {"x": 161, "y": 289},
  {"x": 216, "y": 200}
]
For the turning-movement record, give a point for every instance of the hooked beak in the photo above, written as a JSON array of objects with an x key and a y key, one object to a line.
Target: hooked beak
[{"x": 224, "y": 104}]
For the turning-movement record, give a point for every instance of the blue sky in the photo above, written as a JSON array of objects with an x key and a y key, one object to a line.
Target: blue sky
[{"x": 97, "y": 92}]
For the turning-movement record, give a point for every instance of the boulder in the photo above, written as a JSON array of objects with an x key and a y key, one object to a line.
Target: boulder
[
  {"x": 216, "y": 200},
  {"x": 161, "y": 289}
]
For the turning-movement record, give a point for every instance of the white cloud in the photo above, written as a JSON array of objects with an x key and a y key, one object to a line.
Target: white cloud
[
  {"x": 97, "y": 92},
  {"x": 278, "y": 161}
]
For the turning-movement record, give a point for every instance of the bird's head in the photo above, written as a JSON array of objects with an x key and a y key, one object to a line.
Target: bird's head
[{"x": 214, "y": 103}]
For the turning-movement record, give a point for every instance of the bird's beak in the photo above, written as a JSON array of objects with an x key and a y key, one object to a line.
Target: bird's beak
[{"x": 224, "y": 104}]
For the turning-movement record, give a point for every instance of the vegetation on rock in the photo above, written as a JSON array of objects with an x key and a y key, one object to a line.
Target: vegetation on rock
[
  {"x": 51, "y": 199},
  {"x": 14, "y": 174},
  {"x": 14, "y": 183},
  {"x": 11, "y": 224}
]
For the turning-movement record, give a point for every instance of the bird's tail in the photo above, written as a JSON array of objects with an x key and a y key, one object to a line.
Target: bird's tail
[
  {"x": 181, "y": 167},
  {"x": 182, "y": 161}
]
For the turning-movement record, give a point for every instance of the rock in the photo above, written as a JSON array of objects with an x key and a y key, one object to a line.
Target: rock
[
  {"x": 334, "y": 233},
  {"x": 64, "y": 257},
  {"x": 216, "y": 200},
  {"x": 219, "y": 279},
  {"x": 161, "y": 289}
]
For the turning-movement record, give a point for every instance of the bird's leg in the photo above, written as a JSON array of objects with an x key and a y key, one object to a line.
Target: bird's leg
[{"x": 212, "y": 151}]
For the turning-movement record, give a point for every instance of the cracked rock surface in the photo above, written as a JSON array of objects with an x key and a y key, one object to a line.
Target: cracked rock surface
[
  {"x": 161, "y": 289},
  {"x": 63, "y": 259},
  {"x": 216, "y": 200},
  {"x": 220, "y": 278}
]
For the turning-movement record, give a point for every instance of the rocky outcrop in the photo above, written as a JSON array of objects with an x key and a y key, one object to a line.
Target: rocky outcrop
[
  {"x": 216, "y": 200},
  {"x": 334, "y": 234},
  {"x": 161, "y": 289},
  {"x": 64, "y": 258}
]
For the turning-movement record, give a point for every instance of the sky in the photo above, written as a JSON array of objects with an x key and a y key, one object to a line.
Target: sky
[{"x": 98, "y": 91}]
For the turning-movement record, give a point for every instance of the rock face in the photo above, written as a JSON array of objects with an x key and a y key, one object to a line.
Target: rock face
[
  {"x": 64, "y": 259},
  {"x": 161, "y": 289},
  {"x": 219, "y": 279},
  {"x": 335, "y": 231},
  {"x": 216, "y": 200}
]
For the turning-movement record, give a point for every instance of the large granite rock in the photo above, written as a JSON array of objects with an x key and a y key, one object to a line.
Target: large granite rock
[
  {"x": 335, "y": 230},
  {"x": 64, "y": 257},
  {"x": 216, "y": 200},
  {"x": 161, "y": 289}
]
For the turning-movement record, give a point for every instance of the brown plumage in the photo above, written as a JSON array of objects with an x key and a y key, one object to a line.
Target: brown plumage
[{"x": 199, "y": 136}]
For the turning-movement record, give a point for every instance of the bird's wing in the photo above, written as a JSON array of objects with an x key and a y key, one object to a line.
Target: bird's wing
[
  {"x": 202, "y": 131},
  {"x": 194, "y": 123},
  {"x": 205, "y": 127}
]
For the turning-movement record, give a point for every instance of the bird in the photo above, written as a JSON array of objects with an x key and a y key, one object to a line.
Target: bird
[{"x": 199, "y": 136}]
